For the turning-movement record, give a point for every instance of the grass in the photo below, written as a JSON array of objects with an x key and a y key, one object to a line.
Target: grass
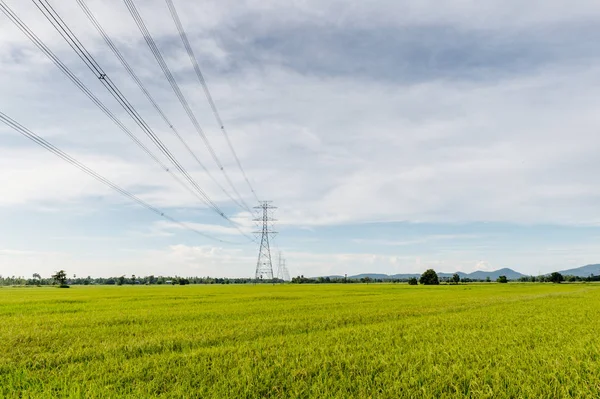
[{"x": 321, "y": 341}]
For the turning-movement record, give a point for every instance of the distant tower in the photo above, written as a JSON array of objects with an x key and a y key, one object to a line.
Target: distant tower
[
  {"x": 279, "y": 267},
  {"x": 285, "y": 275},
  {"x": 264, "y": 265},
  {"x": 282, "y": 271}
]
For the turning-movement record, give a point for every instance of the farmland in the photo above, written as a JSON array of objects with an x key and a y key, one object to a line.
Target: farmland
[{"x": 377, "y": 340}]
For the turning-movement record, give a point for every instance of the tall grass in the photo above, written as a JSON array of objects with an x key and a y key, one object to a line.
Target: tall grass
[{"x": 322, "y": 341}]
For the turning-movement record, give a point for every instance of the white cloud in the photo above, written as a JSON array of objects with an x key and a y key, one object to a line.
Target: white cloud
[
  {"x": 421, "y": 240},
  {"x": 435, "y": 151},
  {"x": 511, "y": 139}
]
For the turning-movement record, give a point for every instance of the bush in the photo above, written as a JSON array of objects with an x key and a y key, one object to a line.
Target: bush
[
  {"x": 557, "y": 278},
  {"x": 412, "y": 281},
  {"x": 502, "y": 279},
  {"x": 430, "y": 277}
]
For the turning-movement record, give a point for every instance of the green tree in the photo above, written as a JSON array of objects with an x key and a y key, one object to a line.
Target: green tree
[
  {"x": 430, "y": 277},
  {"x": 121, "y": 280},
  {"x": 502, "y": 279},
  {"x": 488, "y": 279},
  {"x": 412, "y": 281},
  {"x": 60, "y": 278},
  {"x": 455, "y": 278},
  {"x": 556, "y": 278}
]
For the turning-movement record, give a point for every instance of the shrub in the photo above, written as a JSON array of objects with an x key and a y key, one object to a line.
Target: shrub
[
  {"x": 430, "y": 277},
  {"x": 557, "y": 278}
]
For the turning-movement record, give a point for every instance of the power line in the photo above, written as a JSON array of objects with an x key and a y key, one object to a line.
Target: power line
[
  {"x": 171, "y": 79},
  {"x": 200, "y": 76},
  {"x": 60, "y": 26},
  {"x": 42, "y": 47},
  {"x": 66, "y": 157},
  {"x": 137, "y": 80},
  {"x": 57, "y": 22}
]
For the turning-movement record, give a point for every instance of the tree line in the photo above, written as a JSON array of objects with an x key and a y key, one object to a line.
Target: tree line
[
  {"x": 60, "y": 278},
  {"x": 429, "y": 277}
]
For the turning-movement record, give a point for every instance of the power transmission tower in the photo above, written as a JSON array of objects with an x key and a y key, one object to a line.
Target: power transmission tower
[
  {"x": 282, "y": 271},
  {"x": 285, "y": 274},
  {"x": 264, "y": 265},
  {"x": 279, "y": 267}
]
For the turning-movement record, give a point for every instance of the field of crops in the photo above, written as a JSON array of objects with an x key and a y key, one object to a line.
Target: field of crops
[{"x": 321, "y": 341}]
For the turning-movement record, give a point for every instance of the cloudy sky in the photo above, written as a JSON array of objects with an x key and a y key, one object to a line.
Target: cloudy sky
[{"x": 393, "y": 136}]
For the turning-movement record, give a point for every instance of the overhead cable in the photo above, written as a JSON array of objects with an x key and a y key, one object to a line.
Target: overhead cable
[
  {"x": 202, "y": 81},
  {"x": 66, "y": 157},
  {"x": 171, "y": 79},
  {"x": 42, "y": 47},
  {"x": 60, "y": 26},
  {"x": 109, "y": 42}
]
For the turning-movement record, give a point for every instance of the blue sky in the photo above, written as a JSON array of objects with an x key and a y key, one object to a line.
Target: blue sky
[{"x": 393, "y": 135}]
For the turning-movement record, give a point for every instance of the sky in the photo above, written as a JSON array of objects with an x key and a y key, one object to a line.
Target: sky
[{"x": 393, "y": 136}]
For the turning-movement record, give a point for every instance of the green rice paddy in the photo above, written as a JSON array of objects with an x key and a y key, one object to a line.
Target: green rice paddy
[{"x": 300, "y": 341}]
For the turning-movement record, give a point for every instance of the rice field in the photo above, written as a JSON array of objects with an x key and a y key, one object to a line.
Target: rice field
[{"x": 301, "y": 341}]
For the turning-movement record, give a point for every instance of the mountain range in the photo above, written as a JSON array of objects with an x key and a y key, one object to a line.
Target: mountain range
[{"x": 583, "y": 271}]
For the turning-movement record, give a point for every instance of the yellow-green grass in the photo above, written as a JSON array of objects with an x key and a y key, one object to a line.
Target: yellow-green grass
[{"x": 321, "y": 341}]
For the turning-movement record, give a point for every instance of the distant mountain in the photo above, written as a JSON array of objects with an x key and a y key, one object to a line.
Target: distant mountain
[
  {"x": 371, "y": 275},
  {"x": 404, "y": 276},
  {"x": 493, "y": 275},
  {"x": 448, "y": 275},
  {"x": 478, "y": 275},
  {"x": 583, "y": 271}
]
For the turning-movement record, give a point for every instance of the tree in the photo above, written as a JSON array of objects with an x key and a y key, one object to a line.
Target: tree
[
  {"x": 488, "y": 279},
  {"x": 455, "y": 278},
  {"x": 502, "y": 279},
  {"x": 430, "y": 277},
  {"x": 60, "y": 278},
  {"x": 121, "y": 280},
  {"x": 556, "y": 278},
  {"x": 412, "y": 281}
]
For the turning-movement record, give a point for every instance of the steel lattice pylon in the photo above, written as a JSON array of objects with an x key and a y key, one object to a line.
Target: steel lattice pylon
[
  {"x": 282, "y": 271},
  {"x": 264, "y": 264}
]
